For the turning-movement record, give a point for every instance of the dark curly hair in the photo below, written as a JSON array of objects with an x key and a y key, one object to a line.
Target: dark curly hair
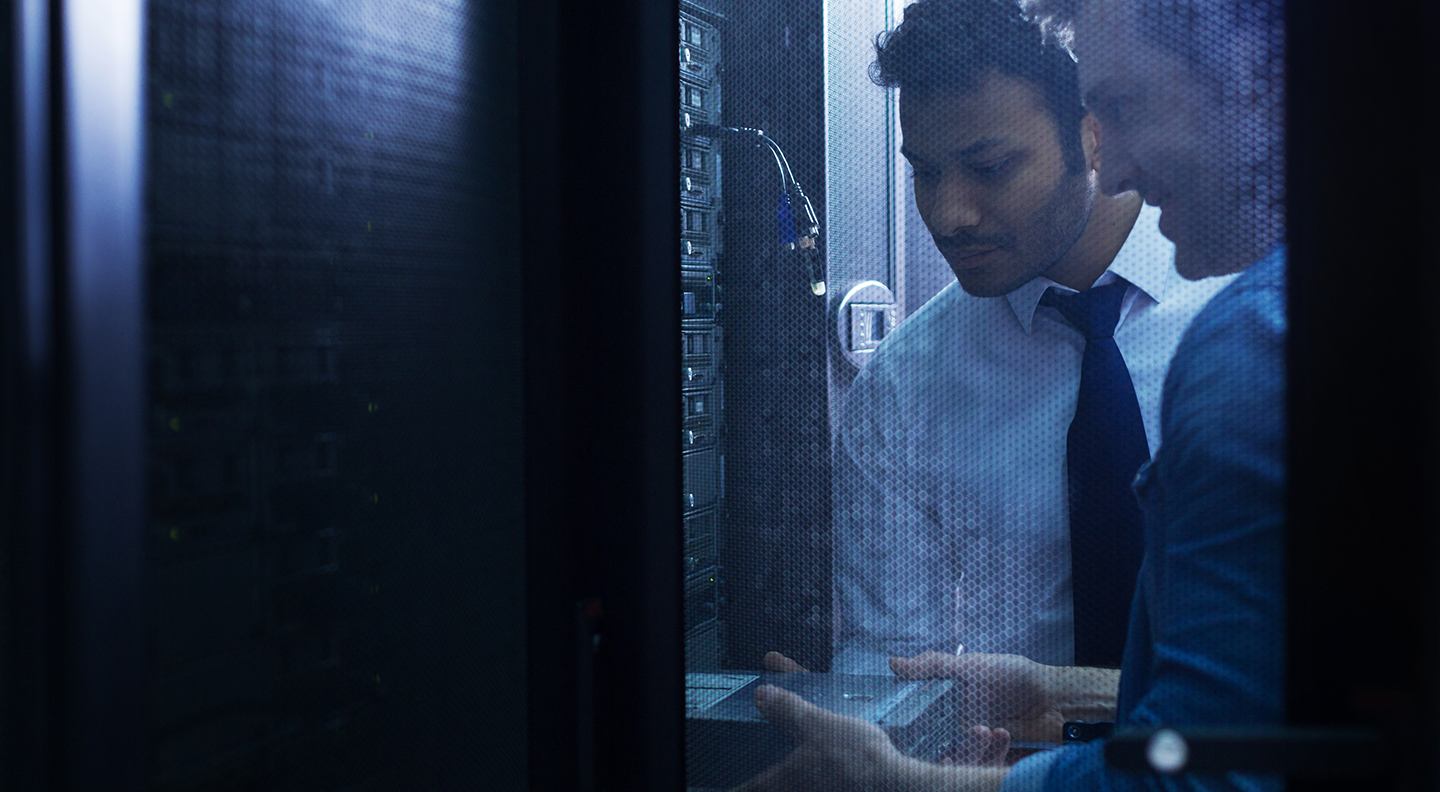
[{"x": 953, "y": 44}]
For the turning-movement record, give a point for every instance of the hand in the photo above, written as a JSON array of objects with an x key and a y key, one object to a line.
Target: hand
[
  {"x": 777, "y": 663},
  {"x": 833, "y": 753},
  {"x": 981, "y": 746},
  {"x": 1008, "y": 691}
]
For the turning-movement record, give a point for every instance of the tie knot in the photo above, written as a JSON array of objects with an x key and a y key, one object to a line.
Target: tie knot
[{"x": 1094, "y": 313}]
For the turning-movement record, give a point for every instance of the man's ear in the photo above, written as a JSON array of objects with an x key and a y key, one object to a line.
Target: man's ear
[{"x": 1090, "y": 141}]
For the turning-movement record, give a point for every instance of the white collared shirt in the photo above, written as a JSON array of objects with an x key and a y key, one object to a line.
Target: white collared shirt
[{"x": 951, "y": 516}]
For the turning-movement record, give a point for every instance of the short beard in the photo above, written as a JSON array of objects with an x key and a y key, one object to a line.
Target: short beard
[{"x": 1060, "y": 222}]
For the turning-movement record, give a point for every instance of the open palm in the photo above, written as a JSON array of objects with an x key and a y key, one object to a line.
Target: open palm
[{"x": 999, "y": 690}]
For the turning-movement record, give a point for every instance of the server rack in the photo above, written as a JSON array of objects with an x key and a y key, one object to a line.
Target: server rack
[
  {"x": 776, "y": 549},
  {"x": 701, "y": 383},
  {"x": 767, "y": 340},
  {"x": 428, "y": 686}
]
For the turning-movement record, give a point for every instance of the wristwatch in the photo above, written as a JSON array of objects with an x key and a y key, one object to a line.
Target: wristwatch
[{"x": 1085, "y": 731}]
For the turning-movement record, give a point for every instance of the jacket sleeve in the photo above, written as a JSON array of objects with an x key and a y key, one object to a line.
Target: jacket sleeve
[{"x": 1212, "y": 587}]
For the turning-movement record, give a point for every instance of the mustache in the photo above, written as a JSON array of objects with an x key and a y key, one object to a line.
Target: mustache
[{"x": 965, "y": 240}]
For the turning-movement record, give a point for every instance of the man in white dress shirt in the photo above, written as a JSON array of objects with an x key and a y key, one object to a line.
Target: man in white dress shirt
[{"x": 953, "y": 514}]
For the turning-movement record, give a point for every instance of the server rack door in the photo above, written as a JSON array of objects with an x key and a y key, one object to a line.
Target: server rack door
[
  {"x": 333, "y": 549},
  {"x": 352, "y": 495}
]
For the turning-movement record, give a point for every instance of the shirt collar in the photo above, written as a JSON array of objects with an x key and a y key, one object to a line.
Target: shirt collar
[{"x": 1146, "y": 261}]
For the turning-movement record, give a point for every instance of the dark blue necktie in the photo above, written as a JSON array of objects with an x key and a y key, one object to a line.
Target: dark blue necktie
[{"x": 1105, "y": 447}]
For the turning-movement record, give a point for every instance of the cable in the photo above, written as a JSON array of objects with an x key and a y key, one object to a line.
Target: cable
[
  {"x": 747, "y": 135},
  {"x": 802, "y": 232}
]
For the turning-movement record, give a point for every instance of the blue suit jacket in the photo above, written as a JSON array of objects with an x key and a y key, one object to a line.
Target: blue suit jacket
[{"x": 1206, "y": 640}]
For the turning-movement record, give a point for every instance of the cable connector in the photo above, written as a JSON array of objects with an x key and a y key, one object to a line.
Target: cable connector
[
  {"x": 796, "y": 231},
  {"x": 785, "y": 221}
]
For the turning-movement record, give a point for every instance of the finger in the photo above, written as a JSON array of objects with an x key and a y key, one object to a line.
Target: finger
[
  {"x": 777, "y": 663},
  {"x": 917, "y": 667},
  {"x": 788, "y": 711},
  {"x": 971, "y": 746},
  {"x": 981, "y": 746},
  {"x": 999, "y": 746},
  {"x": 930, "y": 665}
]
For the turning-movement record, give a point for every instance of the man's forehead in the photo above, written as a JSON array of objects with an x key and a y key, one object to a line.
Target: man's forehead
[
  {"x": 985, "y": 112},
  {"x": 920, "y": 148}
]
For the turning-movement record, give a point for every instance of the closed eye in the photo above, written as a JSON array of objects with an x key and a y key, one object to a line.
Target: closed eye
[
  {"x": 1113, "y": 109},
  {"x": 991, "y": 169}
]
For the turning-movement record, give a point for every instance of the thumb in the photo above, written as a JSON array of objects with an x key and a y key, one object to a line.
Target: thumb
[
  {"x": 779, "y": 663},
  {"x": 999, "y": 746},
  {"x": 902, "y": 667},
  {"x": 788, "y": 711}
]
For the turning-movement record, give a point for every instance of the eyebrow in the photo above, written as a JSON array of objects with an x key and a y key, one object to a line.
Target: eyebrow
[
  {"x": 969, "y": 151},
  {"x": 1099, "y": 91}
]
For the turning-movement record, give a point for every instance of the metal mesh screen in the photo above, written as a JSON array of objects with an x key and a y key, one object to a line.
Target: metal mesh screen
[{"x": 334, "y": 554}]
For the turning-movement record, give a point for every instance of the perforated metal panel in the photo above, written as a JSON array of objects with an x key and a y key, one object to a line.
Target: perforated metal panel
[
  {"x": 773, "y": 525},
  {"x": 334, "y": 553}
]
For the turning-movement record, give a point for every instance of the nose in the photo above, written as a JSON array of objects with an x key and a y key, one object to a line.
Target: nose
[
  {"x": 1118, "y": 172},
  {"x": 953, "y": 207}
]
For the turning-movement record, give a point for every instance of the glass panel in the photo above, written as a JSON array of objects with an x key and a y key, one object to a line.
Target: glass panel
[{"x": 1008, "y": 419}]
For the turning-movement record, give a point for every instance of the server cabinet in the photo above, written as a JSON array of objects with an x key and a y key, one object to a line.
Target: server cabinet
[
  {"x": 701, "y": 56},
  {"x": 797, "y": 70},
  {"x": 772, "y": 524},
  {"x": 333, "y": 375},
  {"x": 289, "y": 503}
]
